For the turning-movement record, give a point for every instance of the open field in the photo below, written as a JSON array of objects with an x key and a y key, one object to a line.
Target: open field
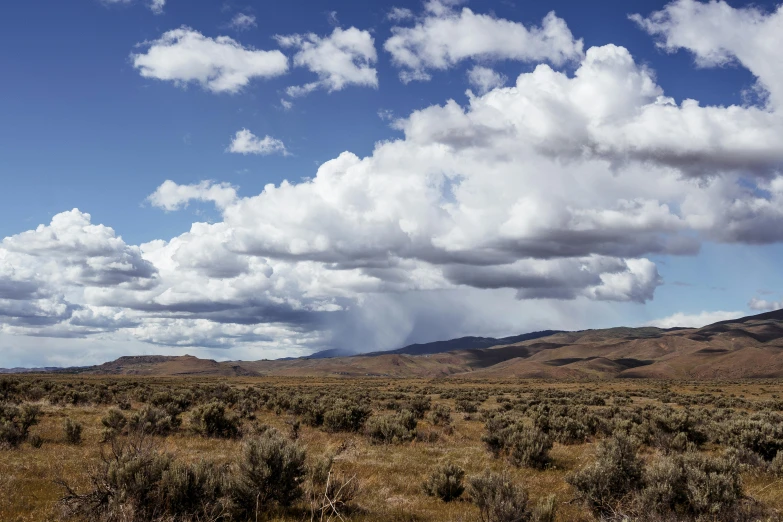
[{"x": 387, "y": 437}]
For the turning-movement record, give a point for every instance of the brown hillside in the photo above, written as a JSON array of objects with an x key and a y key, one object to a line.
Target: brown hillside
[{"x": 750, "y": 347}]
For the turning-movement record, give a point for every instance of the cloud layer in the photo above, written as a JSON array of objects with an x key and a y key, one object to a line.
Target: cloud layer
[{"x": 559, "y": 188}]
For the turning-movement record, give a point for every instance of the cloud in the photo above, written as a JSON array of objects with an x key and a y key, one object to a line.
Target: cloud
[
  {"x": 612, "y": 108},
  {"x": 245, "y": 142},
  {"x": 156, "y": 6},
  {"x": 698, "y": 320},
  {"x": 86, "y": 254},
  {"x": 219, "y": 65},
  {"x": 171, "y": 196},
  {"x": 445, "y": 37},
  {"x": 399, "y": 14},
  {"x": 344, "y": 58},
  {"x": 718, "y": 34},
  {"x": 548, "y": 199},
  {"x": 243, "y": 22},
  {"x": 762, "y": 305},
  {"x": 484, "y": 79}
]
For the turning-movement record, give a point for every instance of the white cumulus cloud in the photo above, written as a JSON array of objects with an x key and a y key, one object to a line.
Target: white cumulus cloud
[
  {"x": 217, "y": 64},
  {"x": 446, "y": 36},
  {"x": 718, "y": 34},
  {"x": 346, "y": 57},
  {"x": 763, "y": 305},
  {"x": 171, "y": 196},
  {"x": 245, "y": 142}
]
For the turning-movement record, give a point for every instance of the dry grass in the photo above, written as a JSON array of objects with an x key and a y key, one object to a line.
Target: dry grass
[{"x": 390, "y": 475}]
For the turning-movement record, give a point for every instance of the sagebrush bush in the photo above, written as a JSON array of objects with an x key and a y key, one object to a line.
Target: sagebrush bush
[
  {"x": 529, "y": 447},
  {"x": 72, "y": 431},
  {"x": 692, "y": 485},
  {"x": 153, "y": 421},
  {"x": 345, "y": 416},
  {"x": 776, "y": 465},
  {"x": 465, "y": 406},
  {"x": 445, "y": 482},
  {"x": 499, "y": 499},
  {"x": 440, "y": 415},
  {"x": 495, "y": 436},
  {"x": 136, "y": 481},
  {"x": 212, "y": 420},
  {"x": 615, "y": 473},
  {"x": 392, "y": 429},
  {"x": 15, "y": 423},
  {"x": 113, "y": 424},
  {"x": 271, "y": 469},
  {"x": 764, "y": 438},
  {"x": 419, "y": 406}
]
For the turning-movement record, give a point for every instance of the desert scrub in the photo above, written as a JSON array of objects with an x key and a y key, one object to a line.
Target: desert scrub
[
  {"x": 15, "y": 423},
  {"x": 692, "y": 486},
  {"x": 440, "y": 415},
  {"x": 445, "y": 482},
  {"x": 113, "y": 424},
  {"x": 72, "y": 431},
  {"x": 392, "y": 429},
  {"x": 499, "y": 499},
  {"x": 345, "y": 416},
  {"x": 615, "y": 473},
  {"x": 153, "y": 421},
  {"x": 212, "y": 420},
  {"x": 136, "y": 481},
  {"x": 529, "y": 447},
  {"x": 270, "y": 470}
]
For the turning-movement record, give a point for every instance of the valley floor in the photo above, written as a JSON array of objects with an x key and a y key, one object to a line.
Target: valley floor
[{"x": 452, "y": 423}]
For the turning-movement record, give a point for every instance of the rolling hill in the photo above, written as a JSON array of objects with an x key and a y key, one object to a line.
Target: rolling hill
[{"x": 749, "y": 347}]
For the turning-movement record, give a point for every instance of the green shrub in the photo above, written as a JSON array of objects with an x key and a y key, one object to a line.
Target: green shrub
[
  {"x": 445, "y": 482},
  {"x": 153, "y": 421},
  {"x": 495, "y": 437},
  {"x": 138, "y": 482},
  {"x": 440, "y": 415},
  {"x": 692, "y": 485},
  {"x": 270, "y": 470},
  {"x": 499, "y": 499},
  {"x": 211, "y": 420},
  {"x": 15, "y": 423},
  {"x": 419, "y": 405},
  {"x": 529, "y": 448},
  {"x": 73, "y": 431},
  {"x": 762, "y": 437},
  {"x": 345, "y": 416},
  {"x": 616, "y": 472},
  {"x": 391, "y": 429},
  {"x": 465, "y": 406},
  {"x": 113, "y": 424}
]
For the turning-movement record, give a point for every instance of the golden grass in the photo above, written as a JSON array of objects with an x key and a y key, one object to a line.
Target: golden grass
[{"x": 390, "y": 475}]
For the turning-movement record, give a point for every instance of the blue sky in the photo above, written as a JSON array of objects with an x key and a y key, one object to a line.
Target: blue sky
[{"x": 84, "y": 127}]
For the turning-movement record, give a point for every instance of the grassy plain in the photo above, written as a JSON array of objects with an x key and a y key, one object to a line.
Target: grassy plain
[{"x": 390, "y": 475}]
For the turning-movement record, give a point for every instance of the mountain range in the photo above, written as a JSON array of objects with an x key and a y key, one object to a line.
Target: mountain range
[{"x": 749, "y": 347}]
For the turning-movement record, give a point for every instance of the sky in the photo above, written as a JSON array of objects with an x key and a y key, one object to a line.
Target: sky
[{"x": 248, "y": 180}]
